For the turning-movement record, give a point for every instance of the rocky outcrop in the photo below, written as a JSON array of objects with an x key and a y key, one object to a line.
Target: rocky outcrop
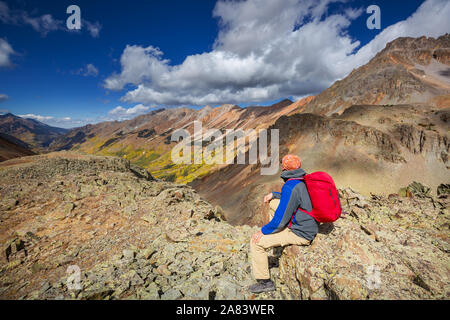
[
  {"x": 422, "y": 141},
  {"x": 129, "y": 235},
  {"x": 352, "y": 133},
  {"x": 384, "y": 248}
]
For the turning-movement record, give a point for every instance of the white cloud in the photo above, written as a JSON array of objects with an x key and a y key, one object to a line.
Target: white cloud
[
  {"x": 62, "y": 122},
  {"x": 353, "y": 13},
  {"x": 93, "y": 28},
  {"x": 36, "y": 117},
  {"x": 121, "y": 113},
  {"x": 42, "y": 24},
  {"x": 265, "y": 50},
  {"x": 3, "y": 97},
  {"x": 138, "y": 64},
  {"x": 5, "y": 53},
  {"x": 88, "y": 70},
  {"x": 91, "y": 70}
]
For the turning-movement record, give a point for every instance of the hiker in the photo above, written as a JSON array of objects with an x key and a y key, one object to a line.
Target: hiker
[{"x": 285, "y": 227}]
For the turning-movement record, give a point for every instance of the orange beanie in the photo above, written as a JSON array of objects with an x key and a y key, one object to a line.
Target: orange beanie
[{"x": 291, "y": 162}]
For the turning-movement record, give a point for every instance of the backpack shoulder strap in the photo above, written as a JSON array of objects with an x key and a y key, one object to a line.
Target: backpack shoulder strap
[{"x": 295, "y": 212}]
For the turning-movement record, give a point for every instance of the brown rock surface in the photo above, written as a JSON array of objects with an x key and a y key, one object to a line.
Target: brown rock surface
[{"x": 130, "y": 236}]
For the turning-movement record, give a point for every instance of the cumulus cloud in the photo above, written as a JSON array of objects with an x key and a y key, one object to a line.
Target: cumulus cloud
[
  {"x": 121, "y": 113},
  {"x": 265, "y": 50},
  {"x": 43, "y": 24},
  {"x": 138, "y": 64},
  {"x": 5, "y": 53}
]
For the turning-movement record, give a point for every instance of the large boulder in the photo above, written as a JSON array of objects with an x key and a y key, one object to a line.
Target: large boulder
[{"x": 394, "y": 248}]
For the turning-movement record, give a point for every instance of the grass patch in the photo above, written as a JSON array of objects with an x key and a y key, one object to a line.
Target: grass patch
[
  {"x": 145, "y": 160},
  {"x": 170, "y": 177}
]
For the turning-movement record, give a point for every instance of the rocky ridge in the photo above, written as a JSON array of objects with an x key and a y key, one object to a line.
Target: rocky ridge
[
  {"x": 406, "y": 71},
  {"x": 146, "y": 139},
  {"x": 135, "y": 237}
]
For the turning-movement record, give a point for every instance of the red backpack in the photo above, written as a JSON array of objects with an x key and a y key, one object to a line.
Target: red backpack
[{"x": 324, "y": 197}]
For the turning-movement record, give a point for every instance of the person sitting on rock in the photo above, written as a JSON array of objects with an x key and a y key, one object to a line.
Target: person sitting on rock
[{"x": 288, "y": 226}]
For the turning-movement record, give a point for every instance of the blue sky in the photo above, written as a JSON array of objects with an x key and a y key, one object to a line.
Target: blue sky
[{"x": 130, "y": 57}]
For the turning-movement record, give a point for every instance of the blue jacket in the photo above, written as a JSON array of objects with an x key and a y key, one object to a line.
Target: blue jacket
[{"x": 293, "y": 195}]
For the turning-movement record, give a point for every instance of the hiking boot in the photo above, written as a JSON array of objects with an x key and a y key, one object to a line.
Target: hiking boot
[{"x": 262, "y": 286}]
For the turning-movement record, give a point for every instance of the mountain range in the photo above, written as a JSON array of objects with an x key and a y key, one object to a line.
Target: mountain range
[
  {"x": 35, "y": 134},
  {"x": 106, "y": 199},
  {"x": 146, "y": 139},
  {"x": 383, "y": 126}
]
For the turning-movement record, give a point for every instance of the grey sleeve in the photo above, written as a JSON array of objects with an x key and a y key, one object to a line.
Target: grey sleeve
[{"x": 304, "y": 199}]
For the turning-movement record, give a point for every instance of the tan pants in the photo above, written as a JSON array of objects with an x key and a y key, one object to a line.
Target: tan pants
[{"x": 260, "y": 261}]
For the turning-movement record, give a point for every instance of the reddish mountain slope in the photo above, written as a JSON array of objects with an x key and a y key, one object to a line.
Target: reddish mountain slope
[
  {"x": 146, "y": 140},
  {"x": 375, "y": 145}
]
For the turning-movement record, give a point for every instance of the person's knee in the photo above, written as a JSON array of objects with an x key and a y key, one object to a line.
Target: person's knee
[
  {"x": 253, "y": 246},
  {"x": 256, "y": 246}
]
